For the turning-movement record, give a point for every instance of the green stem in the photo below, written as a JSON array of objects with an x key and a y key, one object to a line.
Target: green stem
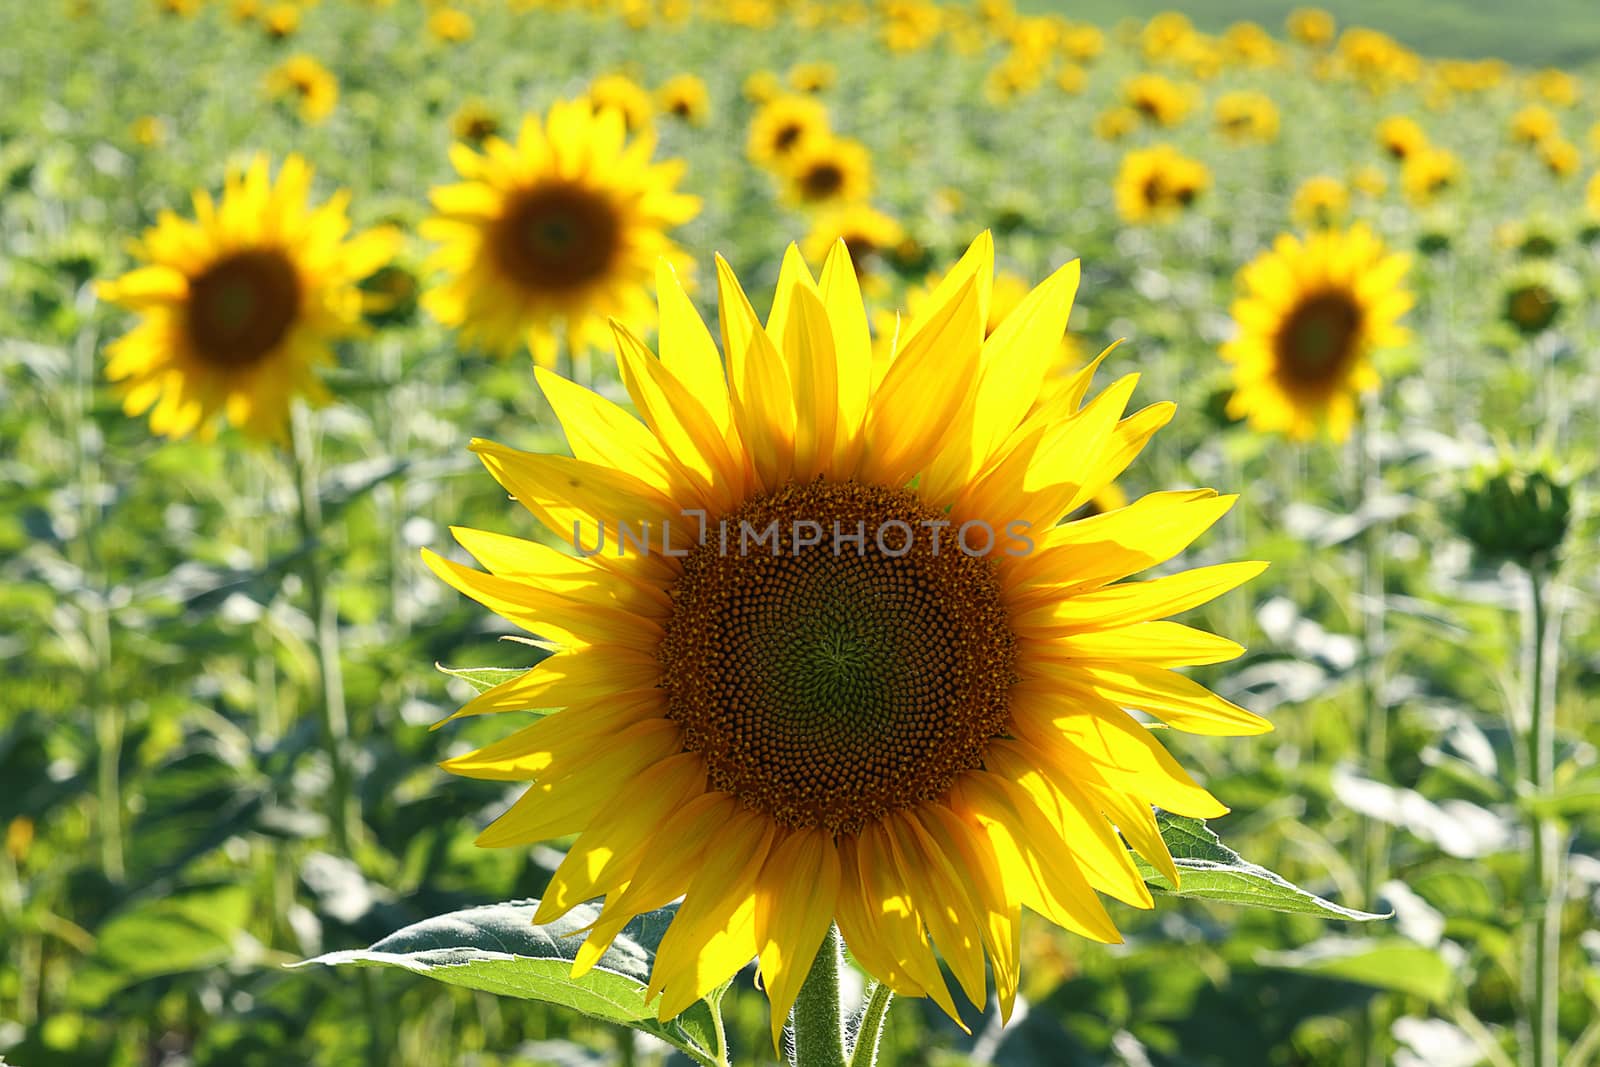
[
  {"x": 1545, "y": 883},
  {"x": 325, "y": 617},
  {"x": 870, "y": 1033},
  {"x": 1374, "y": 838},
  {"x": 818, "y": 1013}
]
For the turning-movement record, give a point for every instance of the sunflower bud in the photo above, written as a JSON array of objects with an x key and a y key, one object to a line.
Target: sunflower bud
[{"x": 1514, "y": 515}]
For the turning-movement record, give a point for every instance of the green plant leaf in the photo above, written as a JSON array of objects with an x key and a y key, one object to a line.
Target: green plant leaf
[
  {"x": 498, "y": 949},
  {"x": 1210, "y": 870},
  {"x": 483, "y": 678},
  {"x": 1391, "y": 963}
]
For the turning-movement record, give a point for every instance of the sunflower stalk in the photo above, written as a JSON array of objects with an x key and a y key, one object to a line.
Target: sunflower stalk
[
  {"x": 819, "y": 1010},
  {"x": 325, "y": 619},
  {"x": 1545, "y": 880}
]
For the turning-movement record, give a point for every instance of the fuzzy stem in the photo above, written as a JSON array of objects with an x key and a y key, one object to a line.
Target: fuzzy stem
[
  {"x": 1544, "y": 890},
  {"x": 818, "y": 1012},
  {"x": 325, "y": 617},
  {"x": 868, "y": 1035},
  {"x": 1374, "y": 840}
]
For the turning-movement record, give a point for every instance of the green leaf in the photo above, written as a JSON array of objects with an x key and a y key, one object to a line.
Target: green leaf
[
  {"x": 1210, "y": 870},
  {"x": 193, "y": 929},
  {"x": 1385, "y": 963},
  {"x": 498, "y": 949},
  {"x": 483, "y": 678}
]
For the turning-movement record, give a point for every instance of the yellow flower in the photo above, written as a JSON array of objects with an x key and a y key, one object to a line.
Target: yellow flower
[
  {"x": 762, "y": 86},
  {"x": 1320, "y": 201},
  {"x": 898, "y": 737},
  {"x": 1311, "y": 25},
  {"x": 1072, "y": 79},
  {"x": 829, "y": 170},
  {"x": 1369, "y": 180},
  {"x": 783, "y": 127},
  {"x": 1248, "y": 44},
  {"x": 1428, "y": 173},
  {"x": 245, "y": 10},
  {"x": 1246, "y": 115},
  {"x": 863, "y": 229},
  {"x": 1083, "y": 42},
  {"x": 1560, "y": 157},
  {"x": 1116, "y": 123},
  {"x": 450, "y": 25},
  {"x": 627, "y": 96},
  {"x": 1533, "y": 125},
  {"x": 281, "y": 20},
  {"x": 548, "y": 237},
  {"x": 1311, "y": 313},
  {"x": 239, "y": 308},
  {"x": 812, "y": 77},
  {"x": 1166, "y": 35},
  {"x": 685, "y": 97},
  {"x": 1591, "y": 196},
  {"x": 1401, "y": 137},
  {"x": 1555, "y": 87},
  {"x": 311, "y": 85},
  {"x": 1158, "y": 99},
  {"x": 1158, "y": 184},
  {"x": 474, "y": 122}
]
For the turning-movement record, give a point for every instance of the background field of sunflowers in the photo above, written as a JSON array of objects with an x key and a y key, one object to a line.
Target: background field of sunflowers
[{"x": 215, "y": 754}]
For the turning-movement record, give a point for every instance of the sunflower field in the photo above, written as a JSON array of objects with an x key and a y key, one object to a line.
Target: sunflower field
[{"x": 822, "y": 532}]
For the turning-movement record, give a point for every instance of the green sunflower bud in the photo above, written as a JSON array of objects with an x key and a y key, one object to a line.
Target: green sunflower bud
[{"x": 1514, "y": 515}]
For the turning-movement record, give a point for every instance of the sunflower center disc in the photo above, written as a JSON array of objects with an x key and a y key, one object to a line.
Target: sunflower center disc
[
  {"x": 829, "y": 683},
  {"x": 1318, "y": 337},
  {"x": 557, "y": 236},
  {"x": 242, "y": 306},
  {"x": 823, "y": 181}
]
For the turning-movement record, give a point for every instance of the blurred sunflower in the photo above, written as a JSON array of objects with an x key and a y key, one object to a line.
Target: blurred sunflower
[
  {"x": 685, "y": 97},
  {"x": 311, "y": 85},
  {"x": 828, "y": 171},
  {"x": 1591, "y": 196},
  {"x": 1533, "y": 125},
  {"x": 1320, "y": 201},
  {"x": 1246, "y": 116},
  {"x": 762, "y": 86},
  {"x": 280, "y": 21},
  {"x": 1311, "y": 313},
  {"x": 1158, "y": 184},
  {"x": 626, "y": 96},
  {"x": 1115, "y": 123},
  {"x": 553, "y": 234},
  {"x": 1369, "y": 180},
  {"x": 961, "y": 750},
  {"x": 241, "y": 306},
  {"x": 864, "y": 230},
  {"x": 1560, "y": 157},
  {"x": 450, "y": 25},
  {"x": 812, "y": 77},
  {"x": 1156, "y": 98},
  {"x": 1311, "y": 25},
  {"x": 1401, "y": 137},
  {"x": 1072, "y": 79},
  {"x": 148, "y": 131},
  {"x": 1534, "y": 297},
  {"x": 1428, "y": 173},
  {"x": 782, "y": 127},
  {"x": 474, "y": 122}
]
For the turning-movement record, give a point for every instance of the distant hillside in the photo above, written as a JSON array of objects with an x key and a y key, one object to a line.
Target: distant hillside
[{"x": 1541, "y": 33}]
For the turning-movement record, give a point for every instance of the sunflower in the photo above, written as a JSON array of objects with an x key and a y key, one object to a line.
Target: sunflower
[
  {"x": 762, "y": 86},
  {"x": 474, "y": 122},
  {"x": 627, "y": 96},
  {"x": 864, "y": 230},
  {"x": 1533, "y": 125},
  {"x": 812, "y": 77},
  {"x": 1401, "y": 137},
  {"x": 1535, "y": 295},
  {"x": 1320, "y": 201},
  {"x": 1591, "y": 196},
  {"x": 450, "y": 25},
  {"x": 1428, "y": 173},
  {"x": 1246, "y": 116},
  {"x": 685, "y": 97},
  {"x": 1157, "y": 99},
  {"x": 1560, "y": 157},
  {"x": 784, "y": 126},
  {"x": 829, "y": 171},
  {"x": 240, "y": 307},
  {"x": 1311, "y": 25},
  {"x": 1311, "y": 313},
  {"x": 553, "y": 234},
  {"x": 1158, "y": 184},
  {"x": 280, "y": 21},
  {"x": 891, "y": 733},
  {"x": 311, "y": 85},
  {"x": 1115, "y": 123},
  {"x": 1369, "y": 180}
]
